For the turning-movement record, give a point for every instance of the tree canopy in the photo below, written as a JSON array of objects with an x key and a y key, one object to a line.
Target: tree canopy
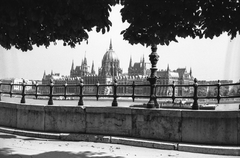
[
  {"x": 161, "y": 21},
  {"x": 24, "y": 23}
]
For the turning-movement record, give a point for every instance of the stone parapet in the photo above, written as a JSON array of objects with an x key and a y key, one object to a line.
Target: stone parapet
[
  {"x": 156, "y": 124},
  {"x": 210, "y": 127},
  {"x": 8, "y": 114},
  {"x": 30, "y": 117},
  {"x": 175, "y": 125},
  {"x": 65, "y": 119},
  {"x": 112, "y": 120}
]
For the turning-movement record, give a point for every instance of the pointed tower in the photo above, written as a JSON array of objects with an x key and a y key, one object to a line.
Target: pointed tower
[
  {"x": 44, "y": 74},
  {"x": 130, "y": 63},
  {"x": 81, "y": 67},
  {"x": 85, "y": 60},
  {"x": 190, "y": 73},
  {"x": 168, "y": 68},
  {"x": 168, "y": 72},
  {"x": 93, "y": 71},
  {"x": 85, "y": 66},
  {"x": 130, "y": 66},
  {"x": 110, "y": 47},
  {"x": 72, "y": 68},
  {"x": 143, "y": 60},
  {"x": 144, "y": 69}
]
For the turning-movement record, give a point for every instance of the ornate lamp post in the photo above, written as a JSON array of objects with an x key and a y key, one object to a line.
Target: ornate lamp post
[{"x": 153, "y": 57}]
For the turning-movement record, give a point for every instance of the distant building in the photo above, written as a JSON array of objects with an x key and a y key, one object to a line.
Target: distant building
[
  {"x": 179, "y": 76},
  {"x": 137, "y": 68},
  {"x": 16, "y": 85},
  {"x": 110, "y": 70},
  {"x": 212, "y": 90}
]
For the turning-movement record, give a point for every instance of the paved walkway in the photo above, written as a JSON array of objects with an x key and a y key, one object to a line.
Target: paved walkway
[{"x": 14, "y": 146}]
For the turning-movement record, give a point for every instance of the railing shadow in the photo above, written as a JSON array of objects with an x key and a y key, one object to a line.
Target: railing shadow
[{"x": 7, "y": 153}]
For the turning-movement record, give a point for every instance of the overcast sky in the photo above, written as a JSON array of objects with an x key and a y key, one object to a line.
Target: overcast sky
[{"x": 209, "y": 59}]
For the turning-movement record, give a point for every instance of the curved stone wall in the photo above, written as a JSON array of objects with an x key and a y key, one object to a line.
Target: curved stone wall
[{"x": 203, "y": 127}]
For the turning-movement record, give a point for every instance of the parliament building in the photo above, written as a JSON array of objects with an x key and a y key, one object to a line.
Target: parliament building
[{"x": 110, "y": 70}]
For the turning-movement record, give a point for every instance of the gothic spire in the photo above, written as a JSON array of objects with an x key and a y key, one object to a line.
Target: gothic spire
[
  {"x": 130, "y": 63},
  {"x": 143, "y": 62},
  {"x": 92, "y": 71},
  {"x": 72, "y": 66},
  {"x": 110, "y": 47},
  {"x": 190, "y": 72},
  {"x": 44, "y": 74},
  {"x": 168, "y": 68},
  {"x": 85, "y": 59}
]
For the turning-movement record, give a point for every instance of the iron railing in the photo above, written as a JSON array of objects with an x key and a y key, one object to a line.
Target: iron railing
[{"x": 81, "y": 95}]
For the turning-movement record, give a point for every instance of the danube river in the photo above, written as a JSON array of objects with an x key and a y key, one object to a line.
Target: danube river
[
  {"x": 87, "y": 101},
  {"x": 122, "y": 102}
]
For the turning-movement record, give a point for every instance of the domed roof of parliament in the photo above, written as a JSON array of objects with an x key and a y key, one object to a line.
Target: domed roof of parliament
[{"x": 110, "y": 56}]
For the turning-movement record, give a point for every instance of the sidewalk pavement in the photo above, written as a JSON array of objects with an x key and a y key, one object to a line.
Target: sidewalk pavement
[{"x": 15, "y": 142}]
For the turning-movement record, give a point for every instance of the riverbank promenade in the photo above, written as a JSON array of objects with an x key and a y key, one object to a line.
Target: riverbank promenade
[{"x": 13, "y": 145}]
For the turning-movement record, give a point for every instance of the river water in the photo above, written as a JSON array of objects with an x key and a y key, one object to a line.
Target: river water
[
  {"x": 102, "y": 102},
  {"x": 87, "y": 101}
]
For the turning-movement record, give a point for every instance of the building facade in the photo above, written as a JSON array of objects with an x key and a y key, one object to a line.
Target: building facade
[
  {"x": 15, "y": 85},
  {"x": 110, "y": 69},
  {"x": 212, "y": 90}
]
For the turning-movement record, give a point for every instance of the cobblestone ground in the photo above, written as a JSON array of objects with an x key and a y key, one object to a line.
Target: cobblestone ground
[{"x": 13, "y": 146}]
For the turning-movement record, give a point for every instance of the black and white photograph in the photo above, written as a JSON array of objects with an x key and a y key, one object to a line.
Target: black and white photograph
[{"x": 120, "y": 79}]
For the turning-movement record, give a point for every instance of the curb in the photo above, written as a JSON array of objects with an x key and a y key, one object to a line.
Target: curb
[
  {"x": 218, "y": 150},
  {"x": 195, "y": 148}
]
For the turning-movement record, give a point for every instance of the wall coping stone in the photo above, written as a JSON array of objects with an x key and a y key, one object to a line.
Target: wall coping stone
[
  {"x": 210, "y": 114},
  {"x": 158, "y": 112},
  {"x": 8, "y": 104},
  {"x": 30, "y": 107},
  {"x": 78, "y": 109},
  {"x": 115, "y": 110}
]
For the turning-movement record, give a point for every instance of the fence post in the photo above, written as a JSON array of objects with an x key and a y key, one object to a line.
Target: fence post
[
  {"x": 23, "y": 92},
  {"x": 0, "y": 90},
  {"x": 65, "y": 90},
  {"x": 115, "y": 103},
  {"x": 153, "y": 57},
  {"x": 133, "y": 93},
  {"x": 195, "y": 95},
  {"x": 218, "y": 95},
  {"x": 80, "y": 102},
  {"x": 173, "y": 92},
  {"x": 97, "y": 93},
  {"x": 50, "y": 101},
  {"x": 36, "y": 90},
  {"x": 11, "y": 86}
]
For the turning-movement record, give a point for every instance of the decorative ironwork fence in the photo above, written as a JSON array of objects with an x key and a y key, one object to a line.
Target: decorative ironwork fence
[{"x": 81, "y": 95}]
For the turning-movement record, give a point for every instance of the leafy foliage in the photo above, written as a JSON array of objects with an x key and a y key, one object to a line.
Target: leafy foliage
[
  {"x": 160, "y": 22},
  {"x": 24, "y": 23},
  {"x": 235, "y": 90}
]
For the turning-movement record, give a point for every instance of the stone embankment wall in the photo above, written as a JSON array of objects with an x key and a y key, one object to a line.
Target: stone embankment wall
[{"x": 203, "y": 127}]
